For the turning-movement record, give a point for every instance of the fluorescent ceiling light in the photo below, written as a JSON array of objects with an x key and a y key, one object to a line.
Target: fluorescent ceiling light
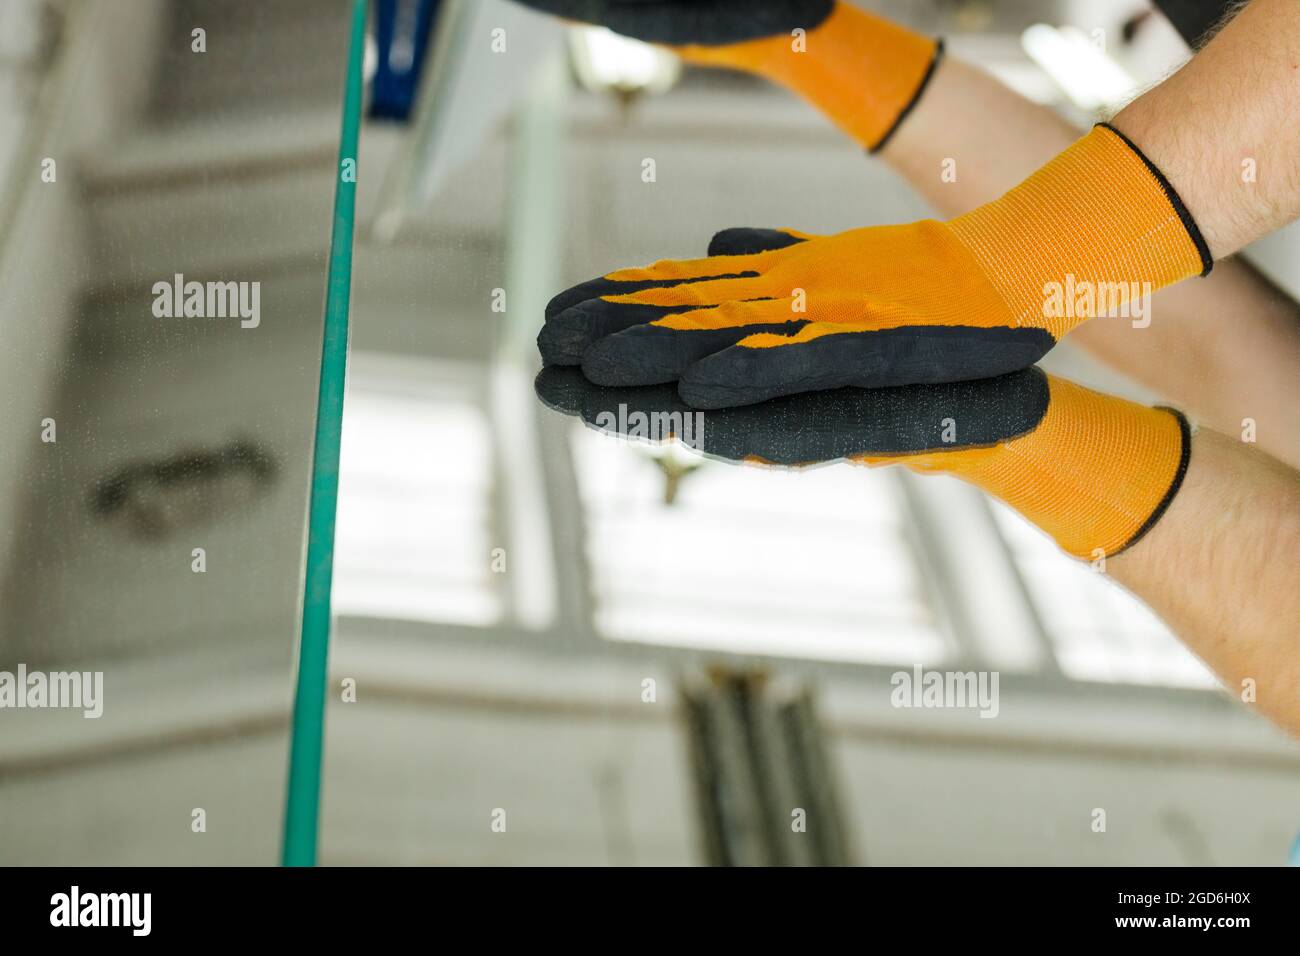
[
  {"x": 605, "y": 61},
  {"x": 1083, "y": 70}
]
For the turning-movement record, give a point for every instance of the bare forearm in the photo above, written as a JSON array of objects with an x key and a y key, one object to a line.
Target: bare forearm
[
  {"x": 1225, "y": 129},
  {"x": 970, "y": 139},
  {"x": 1226, "y": 347},
  {"x": 1219, "y": 567}
]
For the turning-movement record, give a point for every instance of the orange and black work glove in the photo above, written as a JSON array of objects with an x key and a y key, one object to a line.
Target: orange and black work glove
[
  {"x": 980, "y": 295},
  {"x": 1093, "y": 471},
  {"x": 865, "y": 73}
]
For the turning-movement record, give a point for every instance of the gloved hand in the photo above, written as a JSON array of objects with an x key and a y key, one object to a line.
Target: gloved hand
[
  {"x": 1093, "y": 471},
  {"x": 980, "y": 295},
  {"x": 862, "y": 71}
]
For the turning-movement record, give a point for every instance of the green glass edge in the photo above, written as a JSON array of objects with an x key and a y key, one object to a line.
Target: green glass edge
[{"x": 302, "y": 802}]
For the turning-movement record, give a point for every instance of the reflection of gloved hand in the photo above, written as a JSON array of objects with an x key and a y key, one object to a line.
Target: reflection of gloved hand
[
  {"x": 861, "y": 71},
  {"x": 981, "y": 295},
  {"x": 1093, "y": 471}
]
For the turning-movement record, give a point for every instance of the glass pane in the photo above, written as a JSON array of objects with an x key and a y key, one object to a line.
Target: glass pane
[
  {"x": 553, "y": 646},
  {"x": 167, "y": 175}
]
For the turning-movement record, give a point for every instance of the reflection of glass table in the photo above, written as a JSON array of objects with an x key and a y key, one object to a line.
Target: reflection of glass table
[
  {"x": 481, "y": 701},
  {"x": 518, "y": 687}
]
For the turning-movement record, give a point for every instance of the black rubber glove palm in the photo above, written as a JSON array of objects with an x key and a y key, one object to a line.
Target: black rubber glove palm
[{"x": 813, "y": 427}]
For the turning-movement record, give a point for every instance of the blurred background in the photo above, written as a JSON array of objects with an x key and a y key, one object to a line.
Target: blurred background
[{"x": 551, "y": 647}]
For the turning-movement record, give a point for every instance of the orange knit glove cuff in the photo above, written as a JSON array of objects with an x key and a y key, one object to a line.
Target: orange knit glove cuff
[
  {"x": 862, "y": 71},
  {"x": 1096, "y": 473}
]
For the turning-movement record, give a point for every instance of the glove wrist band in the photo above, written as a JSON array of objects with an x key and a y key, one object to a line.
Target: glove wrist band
[
  {"x": 1096, "y": 473},
  {"x": 864, "y": 72},
  {"x": 1184, "y": 215},
  {"x": 1095, "y": 229},
  {"x": 911, "y": 104}
]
